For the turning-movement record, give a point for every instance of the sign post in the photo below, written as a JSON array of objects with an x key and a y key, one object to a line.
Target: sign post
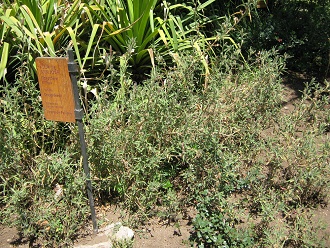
[{"x": 60, "y": 99}]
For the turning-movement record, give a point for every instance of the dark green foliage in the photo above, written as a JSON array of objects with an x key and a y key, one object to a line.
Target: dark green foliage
[
  {"x": 215, "y": 224},
  {"x": 299, "y": 28}
]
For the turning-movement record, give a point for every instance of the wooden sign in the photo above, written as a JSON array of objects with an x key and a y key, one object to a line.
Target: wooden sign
[{"x": 56, "y": 89}]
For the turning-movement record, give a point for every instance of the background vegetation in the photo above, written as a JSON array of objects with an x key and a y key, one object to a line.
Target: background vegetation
[{"x": 183, "y": 104}]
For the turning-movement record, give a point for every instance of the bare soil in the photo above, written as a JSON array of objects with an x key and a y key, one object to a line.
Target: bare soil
[{"x": 154, "y": 234}]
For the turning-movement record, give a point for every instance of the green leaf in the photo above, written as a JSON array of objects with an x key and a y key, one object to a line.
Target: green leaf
[
  {"x": 75, "y": 45},
  {"x": 90, "y": 43},
  {"x": 13, "y": 24},
  {"x": 4, "y": 58}
]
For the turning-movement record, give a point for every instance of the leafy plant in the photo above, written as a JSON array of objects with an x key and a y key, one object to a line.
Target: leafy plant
[
  {"x": 214, "y": 225},
  {"x": 253, "y": 171}
]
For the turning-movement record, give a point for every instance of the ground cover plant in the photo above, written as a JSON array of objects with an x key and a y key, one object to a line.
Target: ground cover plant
[{"x": 204, "y": 129}]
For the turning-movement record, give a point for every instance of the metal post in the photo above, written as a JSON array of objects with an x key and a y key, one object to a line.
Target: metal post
[{"x": 73, "y": 70}]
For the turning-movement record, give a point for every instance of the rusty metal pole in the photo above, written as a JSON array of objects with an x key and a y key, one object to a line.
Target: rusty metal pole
[{"x": 79, "y": 113}]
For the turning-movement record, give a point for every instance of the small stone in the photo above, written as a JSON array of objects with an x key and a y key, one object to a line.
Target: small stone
[
  {"x": 124, "y": 234},
  {"x": 99, "y": 245}
]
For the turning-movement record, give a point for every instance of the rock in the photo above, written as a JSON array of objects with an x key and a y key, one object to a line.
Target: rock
[
  {"x": 109, "y": 229},
  {"x": 99, "y": 245},
  {"x": 124, "y": 234},
  {"x": 117, "y": 232}
]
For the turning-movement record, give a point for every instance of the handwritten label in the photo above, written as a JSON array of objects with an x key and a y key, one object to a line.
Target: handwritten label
[{"x": 56, "y": 89}]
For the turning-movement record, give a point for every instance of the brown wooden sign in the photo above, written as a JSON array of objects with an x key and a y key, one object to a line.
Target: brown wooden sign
[{"x": 56, "y": 89}]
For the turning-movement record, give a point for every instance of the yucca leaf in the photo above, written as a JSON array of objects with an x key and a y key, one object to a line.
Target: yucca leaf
[
  {"x": 87, "y": 10},
  {"x": 4, "y": 26},
  {"x": 132, "y": 10},
  {"x": 90, "y": 43},
  {"x": 204, "y": 5},
  {"x": 14, "y": 24},
  {"x": 124, "y": 22},
  {"x": 50, "y": 17},
  {"x": 173, "y": 37},
  {"x": 30, "y": 19},
  {"x": 152, "y": 57},
  {"x": 50, "y": 45},
  {"x": 75, "y": 45},
  {"x": 59, "y": 35},
  {"x": 143, "y": 29},
  {"x": 106, "y": 16},
  {"x": 151, "y": 20},
  {"x": 73, "y": 14},
  {"x": 33, "y": 26},
  {"x": 148, "y": 39},
  {"x": 163, "y": 37},
  {"x": 204, "y": 62},
  {"x": 4, "y": 51},
  {"x": 35, "y": 9}
]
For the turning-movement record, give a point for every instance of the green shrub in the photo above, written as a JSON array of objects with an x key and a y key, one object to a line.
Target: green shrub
[
  {"x": 205, "y": 132},
  {"x": 168, "y": 128},
  {"x": 170, "y": 143},
  {"x": 25, "y": 132},
  {"x": 215, "y": 224}
]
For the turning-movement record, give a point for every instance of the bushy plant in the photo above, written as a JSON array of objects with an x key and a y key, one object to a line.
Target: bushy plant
[
  {"x": 168, "y": 125},
  {"x": 24, "y": 130},
  {"x": 204, "y": 131}
]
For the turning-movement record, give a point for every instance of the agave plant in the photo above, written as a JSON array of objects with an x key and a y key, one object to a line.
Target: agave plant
[
  {"x": 123, "y": 23},
  {"x": 149, "y": 25},
  {"x": 96, "y": 27}
]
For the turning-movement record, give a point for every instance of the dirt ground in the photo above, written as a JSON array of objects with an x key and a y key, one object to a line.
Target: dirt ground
[{"x": 155, "y": 233}]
